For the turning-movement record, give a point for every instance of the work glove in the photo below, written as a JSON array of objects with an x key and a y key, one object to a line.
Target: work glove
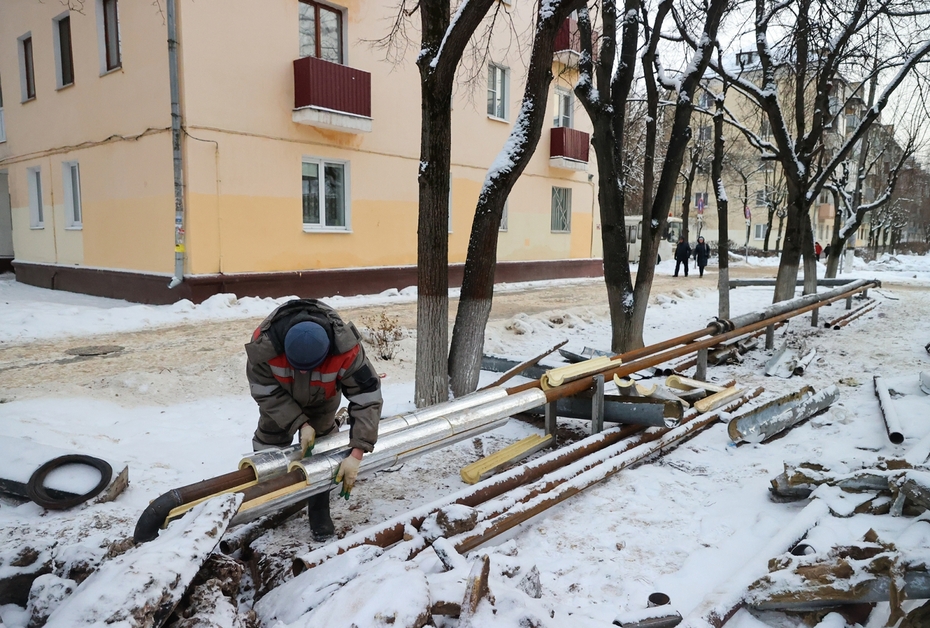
[
  {"x": 307, "y": 439},
  {"x": 347, "y": 474}
]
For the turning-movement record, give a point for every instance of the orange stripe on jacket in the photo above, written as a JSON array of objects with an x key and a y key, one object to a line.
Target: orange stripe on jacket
[{"x": 332, "y": 365}]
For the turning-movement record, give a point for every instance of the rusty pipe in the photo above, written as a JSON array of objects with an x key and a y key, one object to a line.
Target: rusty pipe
[
  {"x": 861, "y": 312},
  {"x": 846, "y": 315},
  {"x": 579, "y": 385}
]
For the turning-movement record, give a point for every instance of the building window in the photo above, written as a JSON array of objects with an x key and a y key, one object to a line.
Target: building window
[
  {"x": 564, "y": 105},
  {"x": 561, "y": 210},
  {"x": 760, "y": 231},
  {"x": 36, "y": 213},
  {"x": 108, "y": 29},
  {"x": 497, "y": 91},
  {"x": 503, "y": 225},
  {"x": 2, "y": 123},
  {"x": 700, "y": 202},
  {"x": 765, "y": 129},
  {"x": 320, "y": 31},
  {"x": 745, "y": 58},
  {"x": 761, "y": 199},
  {"x": 71, "y": 180},
  {"x": 27, "y": 67},
  {"x": 64, "y": 60},
  {"x": 705, "y": 99},
  {"x": 325, "y": 203},
  {"x": 705, "y": 133}
]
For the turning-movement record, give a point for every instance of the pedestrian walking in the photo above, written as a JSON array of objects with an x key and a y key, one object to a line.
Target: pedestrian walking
[
  {"x": 818, "y": 250},
  {"x": 701, "y": 254},
  {"x": 682, "y": 254}
]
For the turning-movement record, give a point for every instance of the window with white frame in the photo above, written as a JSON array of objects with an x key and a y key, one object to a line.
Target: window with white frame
[
  {"x": 108, "y": 36},
  {"x": 71, "y": 181},
  {"x": 761, "y": 198},
  {"x": 503, "y": 223},
  {"x": 27, "y": 74},
  {"x": 498, "y": 78},
  {"x": 705, "y": 133},
  {"x": 2, "y": 123},
  {"x": 765, "y": 129},
  {"x": 36, "y": 211},
  {"x": 325, "y": 194},
  {"x": 760, "y": 231},
  {"x": 561, "y": 210},
  {"x": 64, "y": 60},
  {"x": 564, "y": 107}
]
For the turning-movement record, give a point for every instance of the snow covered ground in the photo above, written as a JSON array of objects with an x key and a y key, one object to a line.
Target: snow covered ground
[{"x": 681, "y": 525}]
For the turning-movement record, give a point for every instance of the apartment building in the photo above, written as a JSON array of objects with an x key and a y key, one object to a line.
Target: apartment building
[
  {"x": 755, "y": 187},
  {"x": 299, "y": 151}
]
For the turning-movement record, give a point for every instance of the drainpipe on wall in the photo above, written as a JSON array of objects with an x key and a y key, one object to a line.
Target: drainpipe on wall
[{"x": 176, "y": 146}]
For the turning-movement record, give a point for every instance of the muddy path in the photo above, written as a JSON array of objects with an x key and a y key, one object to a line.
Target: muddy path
[{"x": 168, "y": 365}]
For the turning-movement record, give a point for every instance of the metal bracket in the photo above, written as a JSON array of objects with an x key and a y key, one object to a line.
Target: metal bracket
[
  {"x": 551, "y": 421},
  {"x": 700, "y": 370},
  {"x": 597, "y": 406}
]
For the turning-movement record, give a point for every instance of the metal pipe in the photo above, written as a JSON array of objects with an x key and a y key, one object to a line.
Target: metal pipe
[
  {"x": 783, "y": 307},
  {"x": 318, "y": 471},
  {"x": 916, "y": 586},
  {"x": 582, "y": 476},
  {"x": 889, "y": 414},
  {"x": 846, "y": 315},
  {"x": 175, "y": 92},
  {"x": 861, "y": 312},
  {"x": 765, "y": 422},
  {"x": 584, "y": 383},
  {"x": 742, "y": 283},
  {"x": 270, "y": 463},
  {"x": 392, "y": 531}
]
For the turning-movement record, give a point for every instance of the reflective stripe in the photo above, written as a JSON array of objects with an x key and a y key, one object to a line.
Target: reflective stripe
[
  {"x": 365, "y": 398},
  {"x": 261, "y": 389},
  {"x": 279, "y": 371}
]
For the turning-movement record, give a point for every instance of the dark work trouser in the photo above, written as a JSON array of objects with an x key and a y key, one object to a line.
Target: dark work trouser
[{"x": 678, "y": 263}]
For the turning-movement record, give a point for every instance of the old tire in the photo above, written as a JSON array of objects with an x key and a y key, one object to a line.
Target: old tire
[{"x": 38, "y": 493}]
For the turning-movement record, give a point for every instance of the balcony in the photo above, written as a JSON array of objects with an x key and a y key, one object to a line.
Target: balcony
[
  {"x": 331, "y": 96},
  {"x": 568, "y": 44},
  {"x": 568, "y": 149}
]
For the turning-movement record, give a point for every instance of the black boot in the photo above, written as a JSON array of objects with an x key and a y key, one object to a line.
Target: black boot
[{"x": 321, "y": 524}]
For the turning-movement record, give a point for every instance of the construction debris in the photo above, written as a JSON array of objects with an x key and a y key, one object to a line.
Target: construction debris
[
  {"x": 924, "y": 379},
  {"x": 889, "y": 414},
  {"x": 867, "y": 572},
  {"x": 586, "y": 354},
  {"x": 652, "y": 617},
  {"x": 523, "y": 366},
  {"x": 717, "y": 399},
  {"x": 152, "y": 577},
  {"x": 758, "y": 424}
]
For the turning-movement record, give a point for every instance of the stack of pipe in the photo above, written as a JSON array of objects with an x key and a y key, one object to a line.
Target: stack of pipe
[{"x": 276, "y": 479}]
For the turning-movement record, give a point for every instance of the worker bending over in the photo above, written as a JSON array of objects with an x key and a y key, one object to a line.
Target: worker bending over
[{"x": 299, "y": 361}]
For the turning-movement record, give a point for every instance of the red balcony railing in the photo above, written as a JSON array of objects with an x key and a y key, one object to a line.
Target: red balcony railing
[
  {"x": 567, "y": 38},
  {"x": 569, "y": 144},
  {"x": 319, "y": 83}
]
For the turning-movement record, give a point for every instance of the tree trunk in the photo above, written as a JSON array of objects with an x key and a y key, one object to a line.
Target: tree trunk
[
  {"x": 478, "y": 283},
  {"x": 433, "y": 247},
  {"x": 443, "y": 42},
  {"x": 768, "y": 227},
  {"x": 723, "y": 235},
  {"x": 786, "y": 279}
]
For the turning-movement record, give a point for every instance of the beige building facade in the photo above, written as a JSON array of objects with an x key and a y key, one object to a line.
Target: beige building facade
[{"x": 300, "y": 152}]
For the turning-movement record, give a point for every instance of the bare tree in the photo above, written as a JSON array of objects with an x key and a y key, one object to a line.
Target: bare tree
[
  {"x": 849, "y": 193},
  {"x": 478, "y": 283},
  {"x": 720, "y": 194},
  {"x": 604, "y": 90},
  {"x": 804, "y": 72}
]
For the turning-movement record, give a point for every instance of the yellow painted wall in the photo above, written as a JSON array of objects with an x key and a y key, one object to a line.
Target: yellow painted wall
[{"x": 243, "y": 180}]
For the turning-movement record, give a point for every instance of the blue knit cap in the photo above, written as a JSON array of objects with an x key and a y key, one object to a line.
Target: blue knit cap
[{"x": 306, "y": 345}]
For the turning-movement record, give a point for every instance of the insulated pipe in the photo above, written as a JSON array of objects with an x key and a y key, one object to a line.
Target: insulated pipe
[
  {"x": 783, "y": 307},
  {"x": 318, "y": 471},
  {"x": 757, "y": 426},
  {"x": 889, "y": 414},
  {"x": 270, "y": 463},
  {"x": 577, "y": 386},
  {"x": 154, "y": 516}
]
